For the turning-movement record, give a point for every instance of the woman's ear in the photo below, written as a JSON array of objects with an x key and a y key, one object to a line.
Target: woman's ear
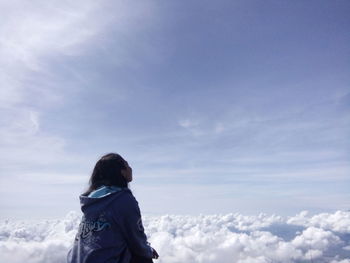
[
  {"x": 127, "y": 175},
  {"x": 123, "y": 172}
]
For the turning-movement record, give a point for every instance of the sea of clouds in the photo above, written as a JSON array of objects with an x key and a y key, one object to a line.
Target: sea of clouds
[{"x": 222, "y": 238}]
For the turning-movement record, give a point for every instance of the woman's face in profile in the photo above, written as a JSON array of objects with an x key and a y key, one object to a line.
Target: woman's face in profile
[{"x": 127, "y": 173}]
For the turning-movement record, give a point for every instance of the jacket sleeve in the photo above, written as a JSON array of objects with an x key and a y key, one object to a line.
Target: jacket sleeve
[{"x": 130, "y": 223}]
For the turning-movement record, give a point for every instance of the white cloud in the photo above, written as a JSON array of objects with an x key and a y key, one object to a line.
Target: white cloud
[
  {"x": 338, "y": 221},
  {"x": 316, "y": 238},
  {"x": 219, "y": 127},
  {"x": 341, "y": 261},
  {"x": 187, "y": 123},
  {"x": 188, "y": 239}
]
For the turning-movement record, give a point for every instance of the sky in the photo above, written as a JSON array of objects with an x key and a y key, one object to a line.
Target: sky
[{"x": 218, "y": 106}]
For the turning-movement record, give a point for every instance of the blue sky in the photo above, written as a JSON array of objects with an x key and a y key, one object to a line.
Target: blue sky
[{"x": 219, "y": 106}]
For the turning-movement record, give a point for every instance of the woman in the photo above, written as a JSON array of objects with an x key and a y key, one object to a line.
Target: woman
[{"x": 111, "y": 228}]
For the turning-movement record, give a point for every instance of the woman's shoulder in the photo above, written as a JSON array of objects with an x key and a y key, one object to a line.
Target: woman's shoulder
[
  {"x": 127, "y": 196},
  {"x": 126, "y": 203},
  {"x": 127, "y": 191}
]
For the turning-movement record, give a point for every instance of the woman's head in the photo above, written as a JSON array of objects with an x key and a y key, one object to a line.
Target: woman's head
[{"x": 110, "y": 170}]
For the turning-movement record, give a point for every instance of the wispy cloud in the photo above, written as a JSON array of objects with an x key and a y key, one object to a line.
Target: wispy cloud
[
  {"x": 34, "y": 35},
  {"x": 31, "y": 34}
]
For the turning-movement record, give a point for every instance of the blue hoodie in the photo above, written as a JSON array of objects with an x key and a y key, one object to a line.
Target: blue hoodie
[{"x": 111, "y": 228}]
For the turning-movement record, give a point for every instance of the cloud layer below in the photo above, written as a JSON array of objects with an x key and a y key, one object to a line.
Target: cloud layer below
[{"x": 224, "y": 238}]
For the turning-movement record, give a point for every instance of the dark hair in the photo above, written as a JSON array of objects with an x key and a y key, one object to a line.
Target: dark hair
[{"x": 107, "y": 171}]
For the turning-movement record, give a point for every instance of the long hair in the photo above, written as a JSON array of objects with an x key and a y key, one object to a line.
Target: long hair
[{"x": 107, "y": 171}]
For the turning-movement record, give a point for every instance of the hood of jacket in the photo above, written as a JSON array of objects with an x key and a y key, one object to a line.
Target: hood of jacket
[{"x": 100, "y": 198}]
